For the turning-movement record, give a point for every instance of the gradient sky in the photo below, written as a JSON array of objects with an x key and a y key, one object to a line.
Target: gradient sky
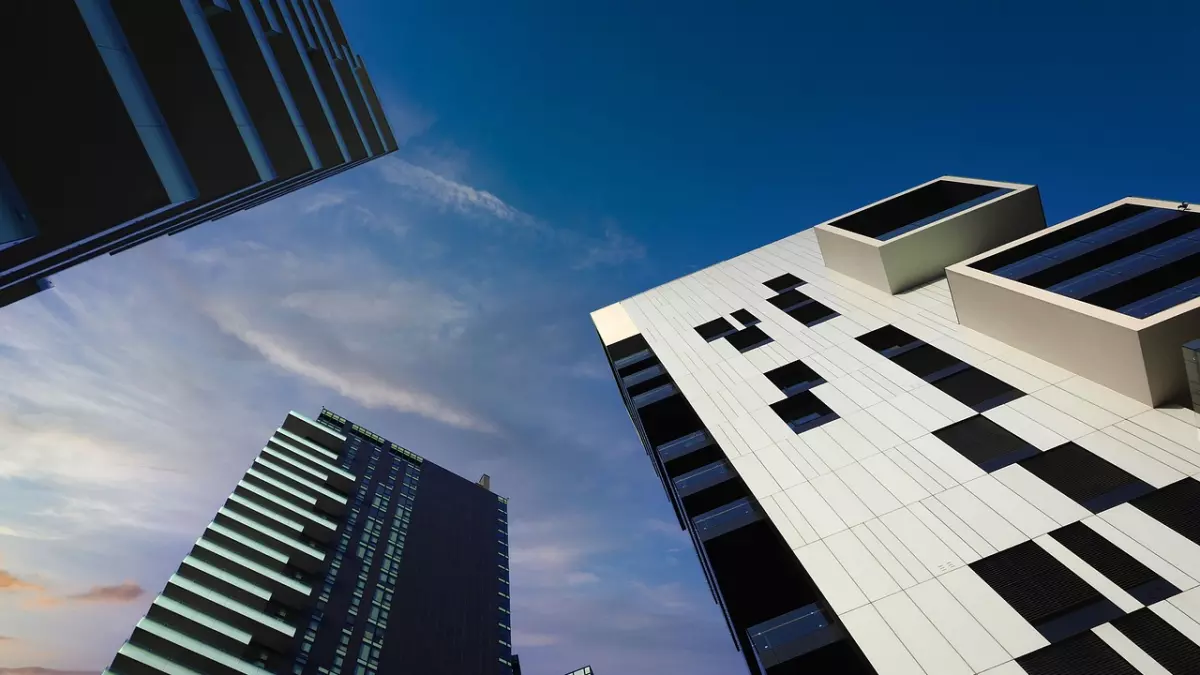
[{"x": 557, "y": 157}]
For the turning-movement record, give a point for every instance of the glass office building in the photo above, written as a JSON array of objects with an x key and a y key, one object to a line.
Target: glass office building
[
  {"x": 936, "y": 437},
  {"x": 337, "y": 552},
  {"x": 140, "y": 119}
]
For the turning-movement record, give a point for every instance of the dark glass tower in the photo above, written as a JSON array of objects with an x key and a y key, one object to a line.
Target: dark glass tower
[
  {"x": 338, "y": 552},
  {"x": 147, "y": 118}
]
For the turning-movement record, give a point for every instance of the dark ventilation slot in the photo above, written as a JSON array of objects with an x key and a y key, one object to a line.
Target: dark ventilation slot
[
  {"x": 1084, "y": 654},
  {"x": 1052, "y": 598},
  {"x": 1162, "y": 641},
  {"x": 784, "y": 282},
  {"x": 1093, "y": 482},
  {"x": 978, "y": 390},
  {"x": 1177, "y": 506},
  {"x": 803, "y": 411},
  {"x": 987, "y": 444},
  {"x": 744, "y": 317},
  {"x": 748, "y": 338},
  {"x": 1051, "y": 239},
  {"x": 1121, "y": 568},
  {"x": 716, "y": 329},
  {"x": 794, "y": 378},
  {"x": 889, "y": 340}
]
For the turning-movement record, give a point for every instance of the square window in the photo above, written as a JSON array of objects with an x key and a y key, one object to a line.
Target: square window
[
  {"x": 794, "y": 378},
  {"x": 811, "y": 313},
  {"x": 928, "y": 363},
  {"x": 803, "y": 411},
  {"x": 783, "y": 282},
  {"x": 744, "y": 317},
  {"x": 888, "y": 340},
  {"x": 1044, "y": 592},
  {"x": 715, "y": 329},
  {"x": 789, "y": 299},
  {"x": 1093, "y": 482},
  {"x": 748, "y": 338},
  {"x": 987, "y": 444}
]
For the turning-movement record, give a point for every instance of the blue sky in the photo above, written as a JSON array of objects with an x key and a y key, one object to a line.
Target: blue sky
[{"x": 557, "y": 157}]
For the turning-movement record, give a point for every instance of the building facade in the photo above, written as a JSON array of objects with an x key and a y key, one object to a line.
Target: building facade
[
  {"x": 148, "y": 118},
  {"x": 337, "y": 552},
  {"x": 897, "y": 448}
]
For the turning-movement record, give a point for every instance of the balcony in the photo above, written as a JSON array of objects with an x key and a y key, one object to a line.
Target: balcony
[
  {"x": 910, "y": 238},
  {"x": 726, "y": 519},
  {"x": 792, "y": 635},
  {"x": 320, "y": 434}
]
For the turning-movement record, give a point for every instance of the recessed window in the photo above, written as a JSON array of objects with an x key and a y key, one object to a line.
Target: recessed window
[
  {"x": 794, "y": 378},
  {"x": 987, "y": 444},
  {"x": 1052, "y": 598},
  {"x": 1121, "y": 568},
  {"x": 803, "y": 411},
  {"x": 748, "y": 338},
  {"x": 1177, "y": 506},
  {"x": 789, "y": 299},
  {"x": 811, "y": 313},
  {"x": 978, "y": 390},
  {"x": 888, "y": 340},
  {"x": 784, "y": 282},
  {"x": 1084, "y": 654},
  {"x": 929, "y": 363},
  {"x": 1162, "y": 641},
  {"x": 744, "y": 317},
  {"x": 716, "y": 329},
  {"x": 1093, "y": 482}
]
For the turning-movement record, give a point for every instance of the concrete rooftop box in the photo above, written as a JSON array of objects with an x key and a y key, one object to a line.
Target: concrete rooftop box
[
  {"x": 910, "y": 238},
  {"x": 1111, "y": 295}
]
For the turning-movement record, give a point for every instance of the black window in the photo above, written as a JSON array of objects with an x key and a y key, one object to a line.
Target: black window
[
  {"x": 1052, "y": 598},
  {"x": 1177, "y": 506},
  {"x": 794, "y": 378},
  {"x": 1084, "y": 654},
  {"x": 1121, "y": 568},
  {"x": 744, "y": 317},
  {"x": 748, "y": 338},
  {"x": 783, "y": 282},
  {"x": 789, "y": 299},
  {"x": 1090, "y": 480},
  {"x": 1172, "y": 649},
  {"x": 888, "y": 340},
  {"x": 715, "y": 329},
  {"x": 803, "y": 411},
  {"x": 811, "y": 313},
  {"x": 987, "y": 444},
  {"x": 978, "y": 390},
  {"x": 929, "y": 363}
]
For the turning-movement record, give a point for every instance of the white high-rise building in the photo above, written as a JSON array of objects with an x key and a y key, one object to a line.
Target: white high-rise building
[{"x": 934, "y": 436}]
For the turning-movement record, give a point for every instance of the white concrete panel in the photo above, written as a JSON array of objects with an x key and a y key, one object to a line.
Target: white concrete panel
[
  {"x": 1178, "y": 620},
  {"x": 772, "y": 425},
  {"x": 829, "y": 451},
  {"x": 835, "y": 399},
  {"x": 1129, "y": 651},
  {"x": 854, "y": 390},
  {"x": 849, "y": 508},
  {"x": 980, "y": 650},
  {"x": 946, "y": 458},
  {"x": 803, "y": 458},
  {"x": 1188, "y": 603},
  {"x": 996, "y": 616},
  {"x": 1142, "y": 554},
  {"x": 1089, "y": 413},
  {"x": 917, "y": 474},
  {"x": 1162, "y": 540},
  {"x": 1010, "y": 668},
  {"x": 797, "y": 519},
  {"x": 883, "y": 556},
  {"x": 898, "y": 422},
  {"x": 868, "y": 489},
  {"x": 900, "y": 484},
  {"x": 1026, "y": 517},
  {"x": 748, "y": 428},
  {"x": 905, "y": 557},
  {"x": 1037, "y": 435},
  {"x": 996, "y": 530},
  {"x": 730, "y": 441},
  {"x": 933, "y": 553},
  {"x": 764, "y": 388},
  {"x": 871, "y": 577},
  {"x": 782, "y": 523},
  {"x": 879, "y": 643},
  {"x": 1169, "y": 427},
  {"x": 1118, "y": 404},
  {"x": 879, "y": 382},
  {"x": 874, "y": 430},
  {"x": 614, "y": 324},
  {"x": 918, "y": 411},
  {"x": 923, "y": 463},
  {"x": 835, "y": 583},
  {"x": 954, "y": 531},
  {"x": 1048, "y": 416},
  {"x": 1143, "y": 466},
  {"x": 842, "y": 359},
  {"x": 1089, "y": 574},
  {"x": 785, "y": 473},
  {"x": 816, "y": 510},
  {"x": 756, "y": 476},
  {"x": 945, "y": 404},
  {"x": 1151, "y": 444},
  {"x": 850, "y": 439},
  {"x": 1012, "y": 375},
  {"x": 1040, "y": 494},
  {"x": 927, "y": 645}
]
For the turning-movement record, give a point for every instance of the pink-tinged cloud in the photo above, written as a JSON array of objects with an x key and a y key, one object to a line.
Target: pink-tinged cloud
[
  {"x": 38, "y": 670},
  {"x": 120, "y": 593},
  {"x": 9, "y": 582}
]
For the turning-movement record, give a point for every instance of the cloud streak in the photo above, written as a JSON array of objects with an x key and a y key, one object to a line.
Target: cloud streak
[
  {"x": 124, "y": 592},
  {"x": 450, "y": 194}
]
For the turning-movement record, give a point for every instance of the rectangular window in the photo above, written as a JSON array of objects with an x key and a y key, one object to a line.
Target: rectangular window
[
  {"x": 1177, "y": 506},
  {"x": 1084, "y": 654},
  {"x": 1090, "y": 480},
  {"x": 987, "y": 444},
  {"x": 747, "y": 339},
  {"x": 783, "y": 282},
  {"x": 715, "y": 329},
  {"x": 794, "y": 378},
  {"x": 1118, "y": 566},
  {"x": 803, "y": 411}
]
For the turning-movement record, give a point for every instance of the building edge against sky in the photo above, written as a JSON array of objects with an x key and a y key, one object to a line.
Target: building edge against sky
[
  {"x": 148, "y": 118},
  {"x": 337, "y": 552},
  {"x": 872, "y": 486}
]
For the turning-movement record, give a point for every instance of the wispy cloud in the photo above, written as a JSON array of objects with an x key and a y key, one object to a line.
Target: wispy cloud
[
  {"x": 450, "y": 194},
  {"x": 10, "y": 583},
  {"x": 127, "y": 591},
  {"x": 615, "y": 248},
  {"x": 324, "y": 200}
]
